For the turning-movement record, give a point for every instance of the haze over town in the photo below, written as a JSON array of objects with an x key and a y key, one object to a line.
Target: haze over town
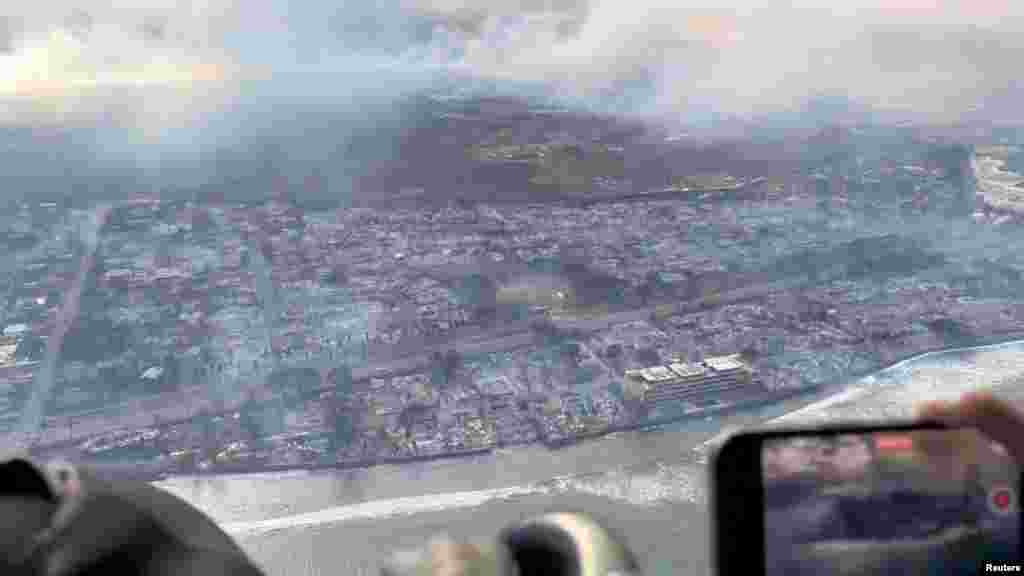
[{"x": 255, "y": 237}]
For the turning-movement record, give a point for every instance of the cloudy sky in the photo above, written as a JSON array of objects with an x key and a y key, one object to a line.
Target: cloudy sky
[
  {"x": 757, "y": 56},
  {"x": 159, "y": 66}
]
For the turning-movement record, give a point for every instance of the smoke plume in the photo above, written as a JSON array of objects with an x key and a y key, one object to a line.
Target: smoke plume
[{"x": 163, "y": 85}]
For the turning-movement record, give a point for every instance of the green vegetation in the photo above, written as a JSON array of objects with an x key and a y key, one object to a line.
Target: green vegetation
[
  {"x": 570, "y": 167},
  {"x": 548, "y": 296},
  {"x": 663, "y": 312},
  {"x": 706, "y": 182},
  {"x": 576, "y": 312},
  {"x": 510, "y": 153},
  {"x": 557, "y": 166}
]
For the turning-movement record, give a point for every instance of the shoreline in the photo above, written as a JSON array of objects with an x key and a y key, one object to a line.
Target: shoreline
[
  {"x": 555, "y": 444},
  {"x": 347, "y": 464},
  {"x": 802, "y": 396},
  {"x": 1005, "y": 338},
  {"x": 760, "y": 400}
]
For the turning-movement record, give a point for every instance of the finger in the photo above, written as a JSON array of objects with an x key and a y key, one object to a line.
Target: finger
[
  {"x": 965, "y": 412},
  {"x": 997, "y": 419},
  {"x": 981, "y": 411},
  {"x": 940, "y": 410}
]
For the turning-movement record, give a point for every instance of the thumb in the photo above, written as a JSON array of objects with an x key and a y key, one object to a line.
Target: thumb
[
  {"x": 993, "y": 416},
  {"x": 939, "y": 410}
]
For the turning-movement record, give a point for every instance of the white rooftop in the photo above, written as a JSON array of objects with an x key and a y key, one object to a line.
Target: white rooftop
[
  {"x": 657, "y": 374},
  {"x": 7, "y": 354},
  {"x": 686, "y": 370},
  {"x": 721, "y": 363}
]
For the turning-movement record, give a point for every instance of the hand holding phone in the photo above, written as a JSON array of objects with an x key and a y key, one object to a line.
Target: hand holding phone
[
  {"x": 934, "y": 496},
  {"x": 994, "y": 417}
]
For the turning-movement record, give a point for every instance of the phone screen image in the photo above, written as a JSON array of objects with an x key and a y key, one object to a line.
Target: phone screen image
[{"x": 907, "y": 502}]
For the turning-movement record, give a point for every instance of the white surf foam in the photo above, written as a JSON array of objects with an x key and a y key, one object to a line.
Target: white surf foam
[
  {"x": 679, "y": 483},
  {"x": 893, "y": 391},
  {"x": 380, "y": 509},
  {"x": 665, "y": 483},
  {"x": 849, "y": 395}
]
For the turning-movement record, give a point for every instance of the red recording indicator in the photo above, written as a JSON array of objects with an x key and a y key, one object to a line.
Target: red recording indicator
[
  {"x": 894, "y": 443},
  {"x": 1002, "y": 500}
]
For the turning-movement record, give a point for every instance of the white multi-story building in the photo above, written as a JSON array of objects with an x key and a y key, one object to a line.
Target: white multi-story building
[{"x": 687, "y": 382}]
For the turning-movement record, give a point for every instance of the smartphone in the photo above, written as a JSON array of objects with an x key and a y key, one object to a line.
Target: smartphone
[{"x": 892, "y": 498}]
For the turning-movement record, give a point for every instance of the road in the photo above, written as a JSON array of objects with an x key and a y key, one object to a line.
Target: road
[
  {"x": 685, "y": 307},
  {"x": 523, "y": 335},
  {"x": 180, "y": 406},
  {"x": 42, "y": 386}
]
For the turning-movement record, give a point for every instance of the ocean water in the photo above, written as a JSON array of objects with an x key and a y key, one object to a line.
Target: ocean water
[{"x": 652, "y": 486}]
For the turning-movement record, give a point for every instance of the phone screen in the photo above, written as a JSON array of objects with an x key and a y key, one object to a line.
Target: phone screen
[{"x": 887, "y": 502}]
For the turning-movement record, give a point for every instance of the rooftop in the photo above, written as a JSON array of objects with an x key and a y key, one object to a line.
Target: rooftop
[
  {"x": 686, "y": 370},
  {"x": 657, "y": 374},
  {"x": 722, "y": 363}
]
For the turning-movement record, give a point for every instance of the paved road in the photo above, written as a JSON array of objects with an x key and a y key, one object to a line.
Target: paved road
[
  {"x": 182, "y": 405},
  {"x": 42, "y": 386},
  {"x": 690, "y": 306}
]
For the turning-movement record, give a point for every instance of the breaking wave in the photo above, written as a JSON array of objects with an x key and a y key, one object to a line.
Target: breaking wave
[{"x": 378, "y": 509}]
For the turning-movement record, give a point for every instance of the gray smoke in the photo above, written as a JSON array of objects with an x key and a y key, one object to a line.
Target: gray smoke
[
  {"x": 939, "y": 60},
  {"x": 167, "y": 87}
]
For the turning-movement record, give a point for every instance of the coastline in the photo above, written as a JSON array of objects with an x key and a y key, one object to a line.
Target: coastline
[
  {"x": 347, "y": 464},
  {"x": 552, "y": 444},
  {"x": 739, "y": 405},
  {"x": 1003, "y": 338},
  {"x": 801, "y": 396}
]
